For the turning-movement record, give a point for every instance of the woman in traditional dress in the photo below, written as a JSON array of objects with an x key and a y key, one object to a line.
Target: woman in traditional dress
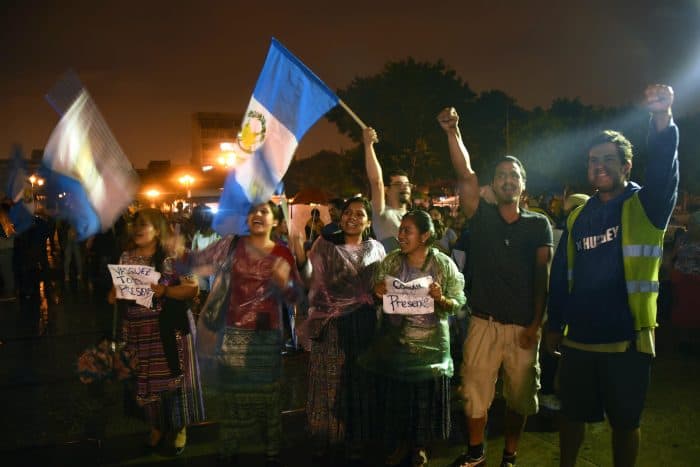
[
  {"x": 240, "y": 326},
  {"x": 411, "y": 354},
  {"x": 340, "y": 325},
  {"x": 170, "y": 400}
]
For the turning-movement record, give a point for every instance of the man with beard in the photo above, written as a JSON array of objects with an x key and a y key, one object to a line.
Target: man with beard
[
  {"x": 604, "y": 285},
  {"x": 510, "y": 250},
  {"x": 391, "y": 195}
]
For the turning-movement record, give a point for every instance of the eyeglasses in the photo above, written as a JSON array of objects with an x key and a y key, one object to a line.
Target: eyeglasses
[{"x": 403, "y": 184}]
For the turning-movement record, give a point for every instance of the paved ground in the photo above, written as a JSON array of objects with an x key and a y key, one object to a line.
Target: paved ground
[{"x": 50, "y": 417}]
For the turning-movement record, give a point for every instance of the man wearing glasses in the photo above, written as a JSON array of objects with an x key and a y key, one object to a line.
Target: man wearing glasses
[
  {"x": 604, "y": 286},
  {"x": 510, "y": 250},
  {"x": 391, "y": 195}
]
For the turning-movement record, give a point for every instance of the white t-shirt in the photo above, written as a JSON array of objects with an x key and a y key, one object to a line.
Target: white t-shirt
[{"x": 386, "y": 225}]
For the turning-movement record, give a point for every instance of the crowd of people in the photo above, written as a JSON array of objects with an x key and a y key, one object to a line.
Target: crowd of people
[{"x": 385, "y": 287}]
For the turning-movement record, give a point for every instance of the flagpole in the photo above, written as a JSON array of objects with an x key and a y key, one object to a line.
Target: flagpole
[{"x": 352, "y": 114}]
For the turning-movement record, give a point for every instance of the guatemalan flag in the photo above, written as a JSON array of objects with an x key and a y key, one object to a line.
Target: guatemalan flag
[
  {"x": 87, "y": 174},
  {"x": 287, "y": 100}
]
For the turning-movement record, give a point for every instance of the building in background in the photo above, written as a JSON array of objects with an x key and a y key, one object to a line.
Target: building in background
[{"x": 209, "y": 131}]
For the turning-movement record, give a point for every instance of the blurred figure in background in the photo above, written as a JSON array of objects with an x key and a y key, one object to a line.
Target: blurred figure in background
[
  {"x": 313, "y": 227},
  {"x": 7, "y": 244},
  {"x": 204, "y": 235},
  {"x": 335, "y": 209},
  {"x": 685, "y": 286}
]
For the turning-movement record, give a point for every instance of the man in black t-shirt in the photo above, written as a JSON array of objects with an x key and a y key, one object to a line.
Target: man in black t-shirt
[{"x": 510, "y": 250}]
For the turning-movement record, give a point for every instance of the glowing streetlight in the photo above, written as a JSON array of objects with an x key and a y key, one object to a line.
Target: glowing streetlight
[
  {"x": 34, "y": 180},
  {"x": 187, "y": 180},
  {"x": 152, "y": 194}
]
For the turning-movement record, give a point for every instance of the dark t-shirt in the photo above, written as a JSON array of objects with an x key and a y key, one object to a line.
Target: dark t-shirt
[{"x": 502, "y": 262}]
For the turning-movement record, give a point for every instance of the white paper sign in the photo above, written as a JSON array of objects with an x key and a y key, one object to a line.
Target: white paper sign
[
  {"x": 133, "y": 282},
  {"x": 408, "y": 298}
]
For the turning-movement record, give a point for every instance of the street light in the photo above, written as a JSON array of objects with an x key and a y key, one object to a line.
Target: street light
[
  {"x": 152, "y": 194},
  {"x": 187, "y": 180},
  {"x": 34, "y": 180}
]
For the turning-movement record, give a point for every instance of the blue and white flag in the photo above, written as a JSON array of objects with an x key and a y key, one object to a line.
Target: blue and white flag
[
  {"x": 90, "y": 179},
  {"x": 287, "y": 100}
]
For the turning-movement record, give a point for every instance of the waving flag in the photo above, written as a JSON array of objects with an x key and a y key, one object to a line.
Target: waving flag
[
  {"x": 287, "y": 100},
  {"x": 89, "y": 178}
]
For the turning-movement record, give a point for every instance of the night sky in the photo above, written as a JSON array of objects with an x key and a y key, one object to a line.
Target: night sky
[{"x": 150, "y": 64}]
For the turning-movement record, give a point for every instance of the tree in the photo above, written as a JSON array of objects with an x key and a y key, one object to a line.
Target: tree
[
  {"x": 401, "y": 103},
  {"x": 338, "y": 174}
]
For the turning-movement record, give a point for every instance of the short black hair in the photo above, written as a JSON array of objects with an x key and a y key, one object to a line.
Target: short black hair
[
  {"x": 393, "y": 173},
  {"x": 623, "y": 145},
  {"x": 512, "y": 160}
]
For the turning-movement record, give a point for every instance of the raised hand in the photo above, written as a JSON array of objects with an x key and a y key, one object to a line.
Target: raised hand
[
  {"x": 369, "y": 136},
  {"x": 658, "y": 98},
  {"x": 448, "y": 118}
]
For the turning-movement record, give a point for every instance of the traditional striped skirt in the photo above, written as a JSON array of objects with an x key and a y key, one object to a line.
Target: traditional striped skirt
[
  {"x": 341, "y": 401},
  {"x": 417, "y": 412},
  {"x": 166, "y": 405},
  {"x": 248, "y": 391}
]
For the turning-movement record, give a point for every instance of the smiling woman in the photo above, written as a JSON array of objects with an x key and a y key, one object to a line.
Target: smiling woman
[
  {"x": 340, "y": 325},
  {"x": 410, "y": 357},
  {"x": 240, "y": 331}
]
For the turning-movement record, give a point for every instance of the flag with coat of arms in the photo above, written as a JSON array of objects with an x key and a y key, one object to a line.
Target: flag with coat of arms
[{"x": 287, "y": 100}]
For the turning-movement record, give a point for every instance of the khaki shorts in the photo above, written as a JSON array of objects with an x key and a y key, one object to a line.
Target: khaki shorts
[{"x": 490, "y": 345}]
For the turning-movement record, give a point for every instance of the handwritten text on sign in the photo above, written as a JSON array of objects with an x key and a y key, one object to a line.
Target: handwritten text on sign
[
  {"x": 133, "y": 282},
  {"x": 408, "y": 298}
]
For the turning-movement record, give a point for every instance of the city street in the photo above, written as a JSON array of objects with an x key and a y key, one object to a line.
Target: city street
[{"x": 51, "y": 418}]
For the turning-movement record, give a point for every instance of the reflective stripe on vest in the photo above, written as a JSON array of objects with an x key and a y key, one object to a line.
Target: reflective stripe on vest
[
  {"x": 642, "y": 287},
  {"x": 642, "y": 250}
]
